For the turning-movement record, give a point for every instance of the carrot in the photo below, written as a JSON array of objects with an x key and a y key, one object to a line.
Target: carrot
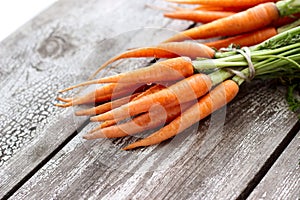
[
  {"x": 172, "y": 8},
  {"x": 151, "y": 90},
  {"x": 117, "y": 103},
  {"x": 223, "y": 3},
  {"x": 255, "y": 37},
  {"x": 193, "y": 87},
  {"x": 64, "y": 99},
  {"x": 168, "y": 70},
  {"x": 217, "y": 98},
  {"x": 247, "y": 39},
  {"x": 252, "y": 19},
  {"x": 106, "y": 106},
  {"x": 199, "y": 7},
  {"x": 206, "y": 8},
  {"x": 108, "y": 123},
  {"x": 103, "y": 125},
  {"x": 285, "y": 20},
  {"x": 198, "y": 15},
  {"x": 219, "y": 8},
  {"x": 143, "y": 122},
  {"x": 165, "y": 50},
  {"x": 102, "y": 94}
]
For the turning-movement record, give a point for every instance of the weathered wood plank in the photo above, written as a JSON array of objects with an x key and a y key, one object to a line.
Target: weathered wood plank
[
  {"x": 60, "y": 47},
  {"x": 215, "y": 161},
  {"x": 283, "y": 179}
]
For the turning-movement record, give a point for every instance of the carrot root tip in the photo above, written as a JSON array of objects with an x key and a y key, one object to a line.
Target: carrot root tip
[
  {"x": 63, "y": 105},
  {"x": 94, "y": 119},
  {"x": 87, "y": 137},
  {"x": 64, "y": 99},
  {"x": 129, "y": 147},
  {"x": 64, "y": 90}
]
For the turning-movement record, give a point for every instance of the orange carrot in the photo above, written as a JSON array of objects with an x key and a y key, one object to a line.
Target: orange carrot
[
  {"x": 252, "y": 19},
  {"x": 165, "y": 50},
  {"x": 247, "y": 39},
  {"x": 64, "y": 99},
  {"x": 106, "y": 106},
  {"x": 199, "y": 15},
  {"x": 208, "y": 8},
  {"x": 119, "y": 102},
  {"x": 168, "y": 70},
  {"x": 224, "y": 3},
  {"x": 143, "y": 122},
  {"x": 285, "y": 20},
  {"x": 103, "y": 125},
  {"x": 205, "y": 8},
  {"x": 218, "y": 8},
  {"x": 193, "y": 87},
  {"x": 151, "y": 90},
  {"x": 200, "y": 7},
  {"x": 217, "y": 98},
  {"x": 102, "y": 94},
  {"x": 108, "y": 123}
]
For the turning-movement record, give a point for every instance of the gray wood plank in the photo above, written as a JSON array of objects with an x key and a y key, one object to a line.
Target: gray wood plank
[
  {"x": 283, "y": 180},
  {"x": 211, "y": 160},
  {"x": 60, "y": 47}
]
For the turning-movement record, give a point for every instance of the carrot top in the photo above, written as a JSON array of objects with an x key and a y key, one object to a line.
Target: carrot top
[
  {"x": 288, "y": 7},
  {"x": 275, "y": 57}
]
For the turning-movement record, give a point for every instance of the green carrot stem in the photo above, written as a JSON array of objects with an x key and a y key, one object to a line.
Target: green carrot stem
[
  {"x": 288, "y": 7},
  {"x": 219, "y": 76},
  {"x": 291, "y": 36},
  {"x": 240, "y": 61},
  {"x": 262, "y": 52},
  {"x": 213, "y": 64},
  {"x": 238, "y": 80},
  {"x": 283, "y": 58},
  {"x": 286, "y": 53},
  {"x": 275, "y": 57},
  {"x": 280, "y": 64}
]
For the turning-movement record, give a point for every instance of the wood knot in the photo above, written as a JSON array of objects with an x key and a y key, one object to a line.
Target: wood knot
[{"x": 55, "y": 46}]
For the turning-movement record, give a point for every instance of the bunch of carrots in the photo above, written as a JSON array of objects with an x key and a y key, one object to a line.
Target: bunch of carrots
[{"x": 195, "y": 80}]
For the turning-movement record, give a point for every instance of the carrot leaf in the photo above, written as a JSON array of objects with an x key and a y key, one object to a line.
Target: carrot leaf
[{"x": 293, "y": 98}]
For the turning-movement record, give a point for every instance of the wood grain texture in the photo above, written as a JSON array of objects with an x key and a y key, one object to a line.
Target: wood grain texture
[
  {"x": 211, "y": 160},
  {"x": 283, "y": 179},
  {"x": 60, "y": 47}
]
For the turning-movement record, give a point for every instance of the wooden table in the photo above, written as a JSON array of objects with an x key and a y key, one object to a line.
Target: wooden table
[{"x": 250, "y": 149}]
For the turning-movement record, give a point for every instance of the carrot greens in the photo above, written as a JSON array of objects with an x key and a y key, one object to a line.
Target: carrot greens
[{"x": 293, "y": 97}]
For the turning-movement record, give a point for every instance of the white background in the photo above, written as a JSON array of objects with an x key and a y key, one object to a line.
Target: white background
[{"x": 15, "y": 13}]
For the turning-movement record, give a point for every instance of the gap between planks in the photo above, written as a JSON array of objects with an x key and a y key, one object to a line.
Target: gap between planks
[
  {"x": 45, "y": 161},
  {"x": 270, "y": 162},
  {"x": 244, "y": 195}
]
